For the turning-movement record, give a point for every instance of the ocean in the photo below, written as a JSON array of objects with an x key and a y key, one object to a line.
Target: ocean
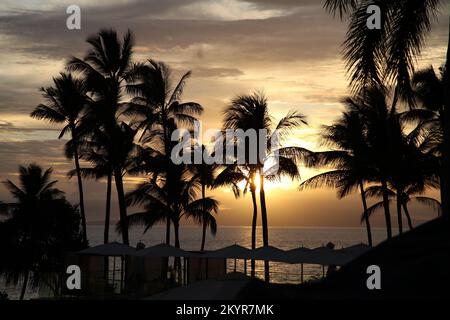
[{"x": 282, "y": 237}]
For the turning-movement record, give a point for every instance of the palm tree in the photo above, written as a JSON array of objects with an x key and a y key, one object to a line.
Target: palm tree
[
  {"x": 413, "y": 167},
  {"x": 158, "y": 108},
  {"x": 413, "y": 192},
  {"x": 40, "y": 227},
  {"x": 251, "y": 112},
  {"x": 99, "y": 171},
  {"x": 205, "y": 174},
  {"x": 230, "y": 176},
  {"x": 414, "y": 170},
  {"x": 350, "y": 159},
  {"x": 173, "y": 197},
  {"x": 389, "y": 53},
  {"x": 65, "y": 102},
  {"x": 106, "y": 155},
  {"x": 106, "y": 68},
  {"x": 384, "y": 136},
  {"x": 429, "y": 90},
  {"x": 371, "y": 130}
]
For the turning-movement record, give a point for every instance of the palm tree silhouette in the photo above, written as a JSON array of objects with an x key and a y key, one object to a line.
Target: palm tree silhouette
[
  {"x": 106, "y": 67},
  {"x": 413, "y": 192},
  {"x": 105, "y": 154},
  {"x": 374, "y": 56},
  {"x": 350, "y": 159},
  {"x": 39, "y": 227},
  {"x": 101, "y": 168},
  {"x": 429, "y": 90},
  {"x": 251, "y": 112},
  {"x": 206, "y": 175},
  {"x": 367, "y": 132},
  {"x": 65, "y": 103},
  {"x": 231, "y": 176},
  {"x": 159, "y": 111},
  {"x": 173, "y": 197}
]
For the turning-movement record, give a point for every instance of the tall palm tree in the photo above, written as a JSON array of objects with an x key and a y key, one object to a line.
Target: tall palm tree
[
  {"x": 413, "y": 192},
  {"x": 389, "y": 53},
  {"x": 231, "y": 176},
  {"x": 429, "y": 89},
  {"x": 384, "y": 136},
  {"x": 159, "y": 110},
  {"x": 413, "y": 168},
  {"x": 351, "y": 167},
  {"x": 174, "y": 198},
  {"x": 109, "y": 155},
  {"x": 39, "y": 227},
  {"x": 65, "y": 103},
  {"x": 106, "y": 67},
  {"x": 251, "y": 112},
  {"x": 205, "y": 174}
]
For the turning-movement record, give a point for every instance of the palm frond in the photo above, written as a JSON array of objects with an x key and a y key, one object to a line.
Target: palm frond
[
  {"x": 430, "y": 202},
  {"x": 371, "y": 210}
]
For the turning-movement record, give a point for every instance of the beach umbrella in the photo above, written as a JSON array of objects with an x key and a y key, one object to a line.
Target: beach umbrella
[
  {"x": 269, "y": 253},
  {"x": 162, "y": 250},
  {"x": 109, "y": 249},
  {"x": 298, "y": 255},
  {"x": 234, "y": 251}
]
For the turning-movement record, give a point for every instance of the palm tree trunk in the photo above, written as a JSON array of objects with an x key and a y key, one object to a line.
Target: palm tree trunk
[
  {"x": 176, "y": 226},
  {"x": 265, "y": 227},
  {"x": 168, "y": 230},
  {"x": 366, "y": 218},
  {"x": 80, "y": 193},
  {"x": 387, "y": 211},
  {"x": 108, "y": 208},
  {"x": 24, "y": 285},
  {"x": 202, "y": 248},
  {"x": 408, "y": 217},
  {"x": 399, "y": 213},
  {"x": 166, "y": 260},
  {"x": 122, "y": 205},
  {"x": 254, "y": 221}
]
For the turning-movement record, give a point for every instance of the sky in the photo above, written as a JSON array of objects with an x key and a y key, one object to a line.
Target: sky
[{"x": 289, "y": 49}]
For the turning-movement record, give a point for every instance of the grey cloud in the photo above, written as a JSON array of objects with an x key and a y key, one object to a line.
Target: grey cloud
[
  {"x": 45, "y": 33},
  {"x": 6, "y": 126},
  {"x": 216, "y": 72}
]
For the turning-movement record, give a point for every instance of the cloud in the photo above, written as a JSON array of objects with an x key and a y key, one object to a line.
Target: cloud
[
  {"x": 289, "y": 48},
  {"x": 216, "y": 72}
]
